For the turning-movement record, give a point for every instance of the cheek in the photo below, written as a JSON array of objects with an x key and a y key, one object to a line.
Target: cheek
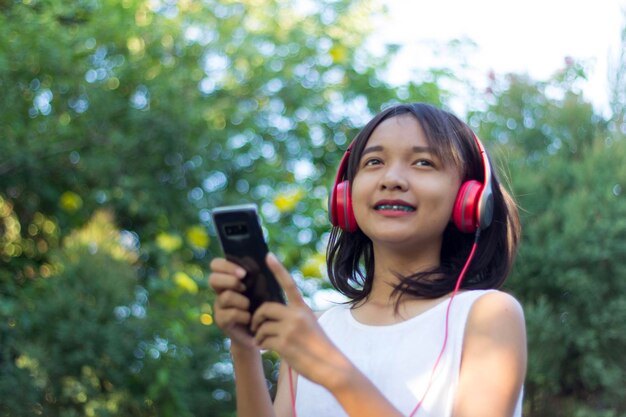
[{"x": 442, "y": 198}]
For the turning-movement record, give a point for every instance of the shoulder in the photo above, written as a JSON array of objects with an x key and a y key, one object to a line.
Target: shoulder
[{"x": 496, "y": 307}]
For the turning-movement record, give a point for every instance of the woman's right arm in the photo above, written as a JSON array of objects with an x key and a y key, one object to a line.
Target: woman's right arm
[
  {"x": 253, "y": 398},
  {"x": 232, "y": 316}
]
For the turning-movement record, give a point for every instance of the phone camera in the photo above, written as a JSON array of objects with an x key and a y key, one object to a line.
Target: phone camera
[{"x": 236, "y": 229}]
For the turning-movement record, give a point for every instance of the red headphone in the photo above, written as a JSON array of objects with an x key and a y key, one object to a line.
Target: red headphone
[{"x": 473, "y": 207}]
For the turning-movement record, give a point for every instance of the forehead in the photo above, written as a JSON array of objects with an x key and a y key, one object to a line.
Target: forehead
[{"x": 399, "y": 130}]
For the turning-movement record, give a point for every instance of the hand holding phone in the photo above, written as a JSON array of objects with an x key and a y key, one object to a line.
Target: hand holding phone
[{"x": 241, "y": 237}]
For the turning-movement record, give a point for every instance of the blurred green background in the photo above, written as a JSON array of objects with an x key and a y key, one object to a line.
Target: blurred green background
[{"x": 123, "y": 122}]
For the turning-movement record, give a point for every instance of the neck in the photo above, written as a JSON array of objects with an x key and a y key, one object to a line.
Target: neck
[{"x": 390, "y": 262}]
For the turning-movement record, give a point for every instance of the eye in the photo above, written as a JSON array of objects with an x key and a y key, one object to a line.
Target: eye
[
  {"x": 424, "y": 163},
  {"x": 372, "y": 162}
]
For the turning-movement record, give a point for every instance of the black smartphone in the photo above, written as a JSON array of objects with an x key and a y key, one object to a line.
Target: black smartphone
[{"x": 241, "y": 237}]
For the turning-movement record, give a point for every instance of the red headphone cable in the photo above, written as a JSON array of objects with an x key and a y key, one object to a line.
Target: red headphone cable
[
  {"x": 291, "y": 391},
  {"x": 445, "y": 339}
]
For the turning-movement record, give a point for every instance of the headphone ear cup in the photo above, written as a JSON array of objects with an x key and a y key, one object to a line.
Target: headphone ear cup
[
  {"x": 344, "y": 213},
  {"x": 466, "y": 206}
]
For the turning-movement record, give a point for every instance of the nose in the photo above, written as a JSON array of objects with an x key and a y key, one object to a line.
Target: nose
[{"x": 393, "y": 179}]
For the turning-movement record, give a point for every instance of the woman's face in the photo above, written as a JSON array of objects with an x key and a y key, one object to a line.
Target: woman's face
[{"x": 402, "y": 193}]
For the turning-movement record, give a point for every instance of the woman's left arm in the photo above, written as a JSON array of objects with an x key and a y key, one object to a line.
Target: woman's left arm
[{"x": 493, "y": 364}]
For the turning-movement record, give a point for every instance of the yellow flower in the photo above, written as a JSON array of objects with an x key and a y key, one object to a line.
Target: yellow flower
[
  {"x": 206, "y": 319},
  {"x": 185, "y": 282},
  {"x": 70, "y": 201},
  {"x": 198, "y": 237},
  {"x": 287, "y": 201},
  {"x": 314, "y": 266},
  {"x": 168, "y": 242}
]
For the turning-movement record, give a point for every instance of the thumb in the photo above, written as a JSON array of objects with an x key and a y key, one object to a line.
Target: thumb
[{"x": 284, "y": 279}]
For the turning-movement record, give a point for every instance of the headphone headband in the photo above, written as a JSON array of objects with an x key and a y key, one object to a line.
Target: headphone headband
[
  {"x": 485, "y": 202},
  {"x": 343, "y": 165}
]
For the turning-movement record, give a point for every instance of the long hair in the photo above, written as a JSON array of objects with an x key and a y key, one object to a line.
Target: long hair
[{"x": 350, "y": 256}]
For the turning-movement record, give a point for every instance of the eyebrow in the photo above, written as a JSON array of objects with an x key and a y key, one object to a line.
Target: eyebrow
[{"x": 416, "y": 149}]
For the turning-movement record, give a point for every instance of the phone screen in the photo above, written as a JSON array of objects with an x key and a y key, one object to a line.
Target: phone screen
[{"x": 241, "y": 237}]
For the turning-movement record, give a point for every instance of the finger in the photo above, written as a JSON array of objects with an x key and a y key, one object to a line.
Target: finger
[
  {"x": 232, "y": 299},
  {"x": 269, "y": 343},
  {"x": 269, "y": 329},
  {"x": 224, "y": 266},
  {"x": 221, "y": 282},
  {"x": 226, "y": 318},
  {"x": 267, "y": 311},
  {"x": 284, "y": 279}
]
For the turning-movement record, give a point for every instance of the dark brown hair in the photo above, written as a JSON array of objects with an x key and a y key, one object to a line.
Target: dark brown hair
[{"x": 350, "y": 256}]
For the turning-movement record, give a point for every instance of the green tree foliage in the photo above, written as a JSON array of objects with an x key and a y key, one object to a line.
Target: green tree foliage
[
  {"x": 91, "y": 345},
  {"x": 567, "y": 169}
]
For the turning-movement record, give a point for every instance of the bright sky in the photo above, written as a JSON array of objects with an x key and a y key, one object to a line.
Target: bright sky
[{"x": 522, "y": 36}]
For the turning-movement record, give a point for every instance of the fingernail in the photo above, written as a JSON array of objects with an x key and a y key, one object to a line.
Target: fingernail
[{"x": 240, "y": 272}]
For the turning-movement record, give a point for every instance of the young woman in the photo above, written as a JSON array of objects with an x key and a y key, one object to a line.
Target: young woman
[{"x": 424, "y": 235}]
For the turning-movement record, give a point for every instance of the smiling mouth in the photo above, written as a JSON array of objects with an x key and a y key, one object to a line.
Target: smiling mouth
[{"x": 393, "y": 207}]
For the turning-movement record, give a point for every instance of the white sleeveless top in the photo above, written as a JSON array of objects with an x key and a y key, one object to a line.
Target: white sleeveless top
[{"x": 398, "y": 359}]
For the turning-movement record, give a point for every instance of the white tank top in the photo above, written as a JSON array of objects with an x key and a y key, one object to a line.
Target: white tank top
[{"x": 398, "y": 359}]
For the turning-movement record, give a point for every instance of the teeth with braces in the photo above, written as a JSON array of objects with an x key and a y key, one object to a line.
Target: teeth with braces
[{"x": 394, "y": 207}]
